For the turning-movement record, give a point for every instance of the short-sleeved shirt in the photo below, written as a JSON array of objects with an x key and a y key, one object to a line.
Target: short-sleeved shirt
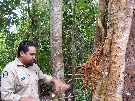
[{"x": 18, "y": 81}]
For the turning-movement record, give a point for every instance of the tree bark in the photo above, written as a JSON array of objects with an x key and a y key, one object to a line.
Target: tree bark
[
  {"x": 114, "y": 38},
  {"x": 56, "y": 41},
  {"x": 73, "y": 51},
  {"x": 129, "y": 81}
]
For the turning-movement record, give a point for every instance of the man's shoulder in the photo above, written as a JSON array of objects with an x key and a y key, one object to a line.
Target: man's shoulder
[{"x": 10, "y": 66}]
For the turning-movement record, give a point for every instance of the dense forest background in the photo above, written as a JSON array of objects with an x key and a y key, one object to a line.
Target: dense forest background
[{"x": 30, "y": 20}]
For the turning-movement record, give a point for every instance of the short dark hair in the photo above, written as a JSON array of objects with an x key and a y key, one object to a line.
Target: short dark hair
[{"x": 24, "y": 46}]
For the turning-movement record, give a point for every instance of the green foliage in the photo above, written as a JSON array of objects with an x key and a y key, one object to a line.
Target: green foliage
[
  {"x": 82, "y": 23},
  {"x": 85, "y": 18},
  {"x": 7, "y": 14},
  {"x": 8, "y": 48},
  {"x": 82, "y": 91},
  {"x": 2, "y": 50}
]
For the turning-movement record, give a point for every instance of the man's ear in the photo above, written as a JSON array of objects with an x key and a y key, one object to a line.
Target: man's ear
[{"x": 21, "y": 53}]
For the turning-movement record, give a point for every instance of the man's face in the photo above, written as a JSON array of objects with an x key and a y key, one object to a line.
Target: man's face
[{"x": 29, "y": 56}]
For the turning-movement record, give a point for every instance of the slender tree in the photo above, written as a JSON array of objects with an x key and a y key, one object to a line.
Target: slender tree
[
  {"x": 73, "y": 50},
  {"x": 56, "y": 40}
]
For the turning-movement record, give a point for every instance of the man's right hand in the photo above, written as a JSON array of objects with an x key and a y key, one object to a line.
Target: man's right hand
[{"x": 27, "y": 99}]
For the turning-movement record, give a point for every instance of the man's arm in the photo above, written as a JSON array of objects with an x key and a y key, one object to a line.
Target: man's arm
[
  {"x": 7, "y": 86},
  {"x": 49, "y": 79},
  {"x": 27, "y": 99},
  {"x": 59, "y": 85}
]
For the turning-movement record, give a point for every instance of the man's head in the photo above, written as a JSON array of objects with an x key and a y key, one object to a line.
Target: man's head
[{"x": 26, "y": 52}]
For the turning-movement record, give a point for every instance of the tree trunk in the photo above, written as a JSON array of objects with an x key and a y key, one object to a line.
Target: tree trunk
[
  {"x": 129, "y": 81},
  {"x": 114, "y": 38},
  {"x": 73, "y": 51},
  {"x": 56, "y": 40}
]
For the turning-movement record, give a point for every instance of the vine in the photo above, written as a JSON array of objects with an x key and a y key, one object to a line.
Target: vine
[{"x": 91, "y": 69}]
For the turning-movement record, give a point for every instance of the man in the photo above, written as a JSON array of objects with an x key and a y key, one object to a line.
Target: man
[{"x": 19, "y": 79}]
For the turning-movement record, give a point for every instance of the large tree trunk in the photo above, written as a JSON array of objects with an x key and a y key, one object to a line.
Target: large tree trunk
[
  {"x": 114, "y": 38},
  {"x": 129, "y": 82},
  {"x": 56, "y": 40}
]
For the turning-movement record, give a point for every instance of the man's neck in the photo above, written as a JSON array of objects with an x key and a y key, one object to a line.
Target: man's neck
[{"x": 21, "y": 61}]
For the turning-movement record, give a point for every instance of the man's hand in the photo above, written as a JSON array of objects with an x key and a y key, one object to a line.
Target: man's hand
[
  {"x": 59, "y": 85},
  {"x": 27, "y": 99}
]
